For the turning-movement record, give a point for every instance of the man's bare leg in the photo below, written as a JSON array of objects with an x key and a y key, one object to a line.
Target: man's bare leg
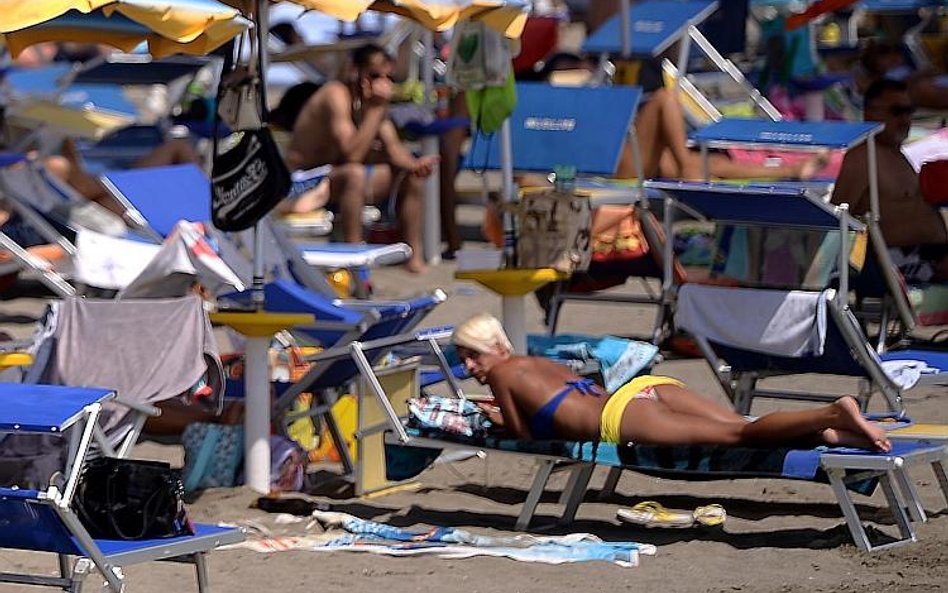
[
  {"x": 410, "y": 198},
  {"x": 411, "y": 211},
  {"x": 347, "y": 188}
]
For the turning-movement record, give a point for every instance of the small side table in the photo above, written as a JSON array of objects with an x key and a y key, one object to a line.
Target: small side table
[
  {"x": 259, "y": 327},
  {"x": 513, "y": 286}
]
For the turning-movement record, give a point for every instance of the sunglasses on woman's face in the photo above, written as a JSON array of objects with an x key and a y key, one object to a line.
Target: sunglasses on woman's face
[{"x": 377, "y": 75}]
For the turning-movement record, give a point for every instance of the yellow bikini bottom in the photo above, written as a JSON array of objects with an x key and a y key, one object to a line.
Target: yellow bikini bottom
[{"x": 610, "y": 422}]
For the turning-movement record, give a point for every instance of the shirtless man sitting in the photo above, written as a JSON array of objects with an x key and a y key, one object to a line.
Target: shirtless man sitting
[
  {"x": 345, "y": 124},
  {"x": 913, "y": 229}
]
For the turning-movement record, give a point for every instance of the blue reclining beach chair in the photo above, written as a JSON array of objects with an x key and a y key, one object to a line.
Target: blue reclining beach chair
[
  {"x": 340, "y": 327},
  {"x": 586, "y": 127},
  {"x": 844, "y": 469},
  {"x": 44, "y": 520},
  {"x": 748, "y": 333},
  {"x": 158, "y": 197}
]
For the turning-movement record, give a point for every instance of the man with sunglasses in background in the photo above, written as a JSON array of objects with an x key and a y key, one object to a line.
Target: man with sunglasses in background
[
  {"x": 345, "y": 124},
  {"x": 913, "y": 229}
]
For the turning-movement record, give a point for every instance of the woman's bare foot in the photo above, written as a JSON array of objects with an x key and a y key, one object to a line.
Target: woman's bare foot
[
  {"x": 851, "y": 424},
  {"x": 809, "y": 168}
]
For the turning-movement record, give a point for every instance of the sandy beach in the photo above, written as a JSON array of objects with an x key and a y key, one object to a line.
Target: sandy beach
[{"x": 781, "y": 536}]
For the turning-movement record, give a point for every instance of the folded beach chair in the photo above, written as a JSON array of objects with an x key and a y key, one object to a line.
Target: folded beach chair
[
  {"x": 45, "y": 520},
  {"x": 340, "y": 328},
  {"x": 585, "y": 127},
  {"x": 748, "y": 333},
  {"x": 654, "y": 26}
]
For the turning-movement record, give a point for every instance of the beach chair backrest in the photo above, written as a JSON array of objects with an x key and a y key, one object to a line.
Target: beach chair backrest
[
  {"x": 585, "y": 127},
  {"x": 163, "y": 195},
  {"x": 654, "y": 26}
]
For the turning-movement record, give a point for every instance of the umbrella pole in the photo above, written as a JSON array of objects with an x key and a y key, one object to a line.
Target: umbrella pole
[
  {"x": 257, "y": 377},
  {"x": 429, "y": 145}
]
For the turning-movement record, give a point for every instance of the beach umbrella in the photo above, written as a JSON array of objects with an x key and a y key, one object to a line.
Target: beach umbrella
[
  {"x": 195, "y": 27},
  {"x": 506, "y": 16}
]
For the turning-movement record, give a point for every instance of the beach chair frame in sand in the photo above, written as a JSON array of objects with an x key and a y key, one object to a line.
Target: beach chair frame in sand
[
  {"x": 45, "y": 521},
  {"x": 586, "y": 127},
  {"x": 738, "y": 367}
]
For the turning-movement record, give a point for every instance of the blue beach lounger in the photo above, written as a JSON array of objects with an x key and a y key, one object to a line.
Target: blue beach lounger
[
  {"x": 844, "y": 469},
  {"x": 44, "y": 520},
  {"x": 586, "y": 127},
  {"x": 157, "y": 198}
]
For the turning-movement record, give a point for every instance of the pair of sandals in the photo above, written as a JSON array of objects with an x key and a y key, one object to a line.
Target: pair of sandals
[{"x": 652, "y": 514}]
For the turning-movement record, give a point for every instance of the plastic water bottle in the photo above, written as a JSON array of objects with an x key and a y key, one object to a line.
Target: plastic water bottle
[{"x": 564, "y": 178}]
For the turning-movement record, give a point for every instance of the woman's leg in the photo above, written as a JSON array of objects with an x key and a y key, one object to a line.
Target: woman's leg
[
  {"x": 724, "y": 167},
  {"x": 685, "y": 401},
  {"x": 655, "y": 422},
  {"x": 660, "y": 128},
  {"x": 171, "y": 152}
]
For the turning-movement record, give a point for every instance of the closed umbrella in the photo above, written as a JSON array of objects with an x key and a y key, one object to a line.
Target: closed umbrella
[{"x": 195, "y": 27}]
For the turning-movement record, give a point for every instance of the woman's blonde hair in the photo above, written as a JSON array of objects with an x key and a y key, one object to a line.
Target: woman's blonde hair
[{"x": 482, "y": 333}]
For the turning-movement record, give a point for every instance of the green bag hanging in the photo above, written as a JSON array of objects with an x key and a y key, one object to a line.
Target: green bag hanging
[{"x": 490, "y": 106}]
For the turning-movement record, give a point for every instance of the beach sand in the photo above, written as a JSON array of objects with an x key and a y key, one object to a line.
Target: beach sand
[{"x": 780, "y": 536}]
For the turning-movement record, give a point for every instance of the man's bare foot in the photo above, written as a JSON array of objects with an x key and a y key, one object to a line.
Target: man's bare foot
[
  {"x": 416, "y": 265},
  {"x": 813, "y": 165},
  {"x": 850, "y": 420}
]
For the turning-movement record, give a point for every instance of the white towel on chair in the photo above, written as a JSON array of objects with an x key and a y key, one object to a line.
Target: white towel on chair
[
  {"x": 906, "y": 373},
  {"x": 778, "y": 322}
]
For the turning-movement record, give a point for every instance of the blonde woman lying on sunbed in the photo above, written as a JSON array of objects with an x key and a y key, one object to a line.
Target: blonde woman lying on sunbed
[{"x": 539, "y": 399}]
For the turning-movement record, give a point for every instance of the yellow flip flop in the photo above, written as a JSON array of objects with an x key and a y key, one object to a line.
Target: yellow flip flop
[
  {"x": 711, "y": 515},
  {"x": 652, "y": 514}
]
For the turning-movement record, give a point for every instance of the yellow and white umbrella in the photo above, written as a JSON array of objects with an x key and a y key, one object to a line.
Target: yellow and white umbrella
[
  {"x": 505, "y": 16},
  {"x": 194, "y": 27}
]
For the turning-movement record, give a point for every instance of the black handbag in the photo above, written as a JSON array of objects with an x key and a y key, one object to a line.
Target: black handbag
[
  {"x": 249, "y": 177},
  {"x": 248, "y": 180},
  {"x": 130, "y": 499}
]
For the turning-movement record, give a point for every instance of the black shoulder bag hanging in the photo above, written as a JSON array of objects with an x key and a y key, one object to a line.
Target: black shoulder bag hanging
[
  {"x": 249, "y": 176},
  {"x": 130, "y": 499}
]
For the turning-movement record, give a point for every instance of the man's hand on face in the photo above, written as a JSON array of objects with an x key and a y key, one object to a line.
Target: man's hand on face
[
  {"x": 424, "y": 166},
  {"x": 377, "y": 90}
]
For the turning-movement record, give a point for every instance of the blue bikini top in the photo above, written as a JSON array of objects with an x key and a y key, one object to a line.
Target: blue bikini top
[{"x": 541, "y": 423}]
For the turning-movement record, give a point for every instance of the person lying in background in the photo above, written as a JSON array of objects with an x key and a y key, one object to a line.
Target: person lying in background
[
  {"x": 662, "y": 134},
  {"x": 539, "y": 399}
]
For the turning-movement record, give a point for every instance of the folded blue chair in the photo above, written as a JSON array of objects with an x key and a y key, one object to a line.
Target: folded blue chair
[
  {"x": 44, "y": 520},
  {"x": 844, "y": 469},
  {"x": 654, "y": 26},
  {"x": 342, "y": 329}
]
